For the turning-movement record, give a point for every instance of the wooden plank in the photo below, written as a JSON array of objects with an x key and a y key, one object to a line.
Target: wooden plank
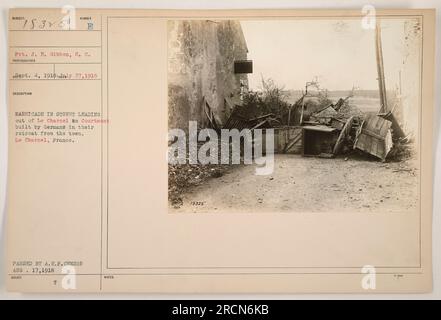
[{"x": 292, "y": 143}]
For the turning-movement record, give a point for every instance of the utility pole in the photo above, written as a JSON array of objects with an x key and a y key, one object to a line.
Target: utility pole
[
  {"x": 380, "y": 68},
  {"x": 384, "y": 109}
]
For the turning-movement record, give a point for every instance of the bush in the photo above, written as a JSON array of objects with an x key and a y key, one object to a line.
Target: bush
[{"x": 270, "y": 99}]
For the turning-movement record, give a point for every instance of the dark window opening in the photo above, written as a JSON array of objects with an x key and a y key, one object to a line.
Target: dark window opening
[{"x": 243, "y": 66}]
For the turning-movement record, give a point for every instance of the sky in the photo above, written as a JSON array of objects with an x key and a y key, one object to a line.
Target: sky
[{"x": 339, "y": 52}]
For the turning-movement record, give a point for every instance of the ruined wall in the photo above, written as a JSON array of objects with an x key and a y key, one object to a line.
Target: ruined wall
[{"x": 201, "y": 57}]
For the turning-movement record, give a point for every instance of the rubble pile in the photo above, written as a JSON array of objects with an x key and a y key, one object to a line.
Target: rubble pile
[
  {"x": 401, "y": 151},
  {"x": 181, "y": 177}
]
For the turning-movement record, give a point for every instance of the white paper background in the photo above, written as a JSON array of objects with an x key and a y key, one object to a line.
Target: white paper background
[{"x": 220, "y": 4}]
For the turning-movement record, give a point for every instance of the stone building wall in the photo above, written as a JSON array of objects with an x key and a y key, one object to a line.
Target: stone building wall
[{"x": 201, "y": 55}]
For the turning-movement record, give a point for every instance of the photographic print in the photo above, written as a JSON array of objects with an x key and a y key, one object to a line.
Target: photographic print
[{"x": 294, "y": 115}]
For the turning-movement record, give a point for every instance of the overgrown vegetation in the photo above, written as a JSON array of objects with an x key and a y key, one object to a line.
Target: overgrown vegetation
[{"x": 271, "y": 98}]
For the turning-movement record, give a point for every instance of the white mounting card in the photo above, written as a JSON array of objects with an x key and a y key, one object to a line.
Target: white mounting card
[{"x": 235, "y": 151}]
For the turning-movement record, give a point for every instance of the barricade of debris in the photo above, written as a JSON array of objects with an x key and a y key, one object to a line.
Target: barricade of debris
[{"x": 183, "y": 176}]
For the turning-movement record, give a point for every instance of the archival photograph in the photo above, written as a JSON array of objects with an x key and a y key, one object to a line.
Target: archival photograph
[{"x": 294, "y": 115}]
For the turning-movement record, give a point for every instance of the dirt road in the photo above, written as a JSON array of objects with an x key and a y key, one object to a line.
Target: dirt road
[{"x": 300, "y": 184}]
